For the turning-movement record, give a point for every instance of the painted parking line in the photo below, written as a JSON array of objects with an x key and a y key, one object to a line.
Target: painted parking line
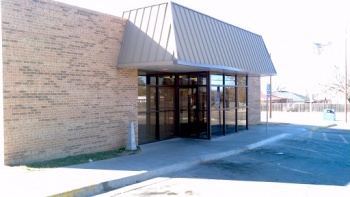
[
  {"x": 325, "y": 136},
  {"x": 281, "y": 166},
  {"x": 323, "y": 127},
  {"x": 343, "y": 138},
  {"x": 328, "y": 140},
  {"x": 310, "y": 134},
  {"x": 302, "y": 135},
  {"x": 317, "y": 151}
]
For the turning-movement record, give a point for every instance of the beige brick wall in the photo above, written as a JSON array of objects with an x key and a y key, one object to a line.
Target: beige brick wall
[
  {"x": 63, "y": 94},
  {"x": 1, "y": 103},
  {"x": 254, "y": 100}
]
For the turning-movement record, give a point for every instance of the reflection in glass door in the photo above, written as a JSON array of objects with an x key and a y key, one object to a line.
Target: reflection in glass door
[
  {"x": 193, "y": 112},
  {"x": 186, "y": 103}
]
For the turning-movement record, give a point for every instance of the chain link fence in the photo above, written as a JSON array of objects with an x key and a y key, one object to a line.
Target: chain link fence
[{"x": 304, "y": 107}]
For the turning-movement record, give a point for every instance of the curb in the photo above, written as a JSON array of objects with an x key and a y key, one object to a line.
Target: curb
[
  {"x": 323, "y": 127},
  {"x": 119, "y": 183}
]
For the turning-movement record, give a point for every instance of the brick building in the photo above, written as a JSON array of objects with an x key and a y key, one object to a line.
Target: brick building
[{"x": 74, "y": 79}]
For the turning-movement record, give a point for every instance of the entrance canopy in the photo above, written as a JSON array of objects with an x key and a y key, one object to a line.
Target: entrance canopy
[{"x": 172, "y": 38}]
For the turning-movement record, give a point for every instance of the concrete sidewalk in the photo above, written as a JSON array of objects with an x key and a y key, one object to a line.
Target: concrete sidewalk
[{"x": 155, "y": 159}]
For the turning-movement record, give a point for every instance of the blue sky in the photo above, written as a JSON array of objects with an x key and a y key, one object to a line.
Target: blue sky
[{"x": 289, "y": 29}]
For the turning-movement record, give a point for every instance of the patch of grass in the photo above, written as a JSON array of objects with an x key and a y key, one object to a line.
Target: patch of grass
[{"x": 80, "y": 159}]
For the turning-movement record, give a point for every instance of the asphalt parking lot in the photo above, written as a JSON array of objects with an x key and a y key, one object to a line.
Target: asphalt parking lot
[
  {"x": 315, "y": 157},
  {"x": 313, "y": 163}
]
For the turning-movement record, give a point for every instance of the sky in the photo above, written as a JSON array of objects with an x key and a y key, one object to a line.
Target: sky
[{"x": 289, "y": 28}]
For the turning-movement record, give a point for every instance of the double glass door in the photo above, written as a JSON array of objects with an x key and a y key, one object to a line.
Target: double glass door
[
  {"x": 172, "y": 105},
  {"x": 193, "y": 112}
]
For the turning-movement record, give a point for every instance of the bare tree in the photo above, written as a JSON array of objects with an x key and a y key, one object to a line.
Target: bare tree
[
  {"x": 337, "y": 83},
  {"x": 280, "y": 88}
]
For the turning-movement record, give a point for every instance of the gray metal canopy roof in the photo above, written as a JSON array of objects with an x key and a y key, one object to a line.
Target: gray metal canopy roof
[{"x": 170, "y": 37}]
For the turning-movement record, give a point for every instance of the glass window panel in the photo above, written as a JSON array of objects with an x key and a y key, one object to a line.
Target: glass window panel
[
  {"x": 153, "y": 80},
  {"x": 216, "y": 97},
  {"x": 192, "y": 104},
  {"x": 184, "y": 104},
  {"x": 216, "y": 121},
  {"x": 216, "y": 80},
  {"x": 242, "y": 118},
  {"x": 242, "y": 97},
  {"x": 202, "y": 79},
  {"x": 193, "y": 79},
  {"x": 230, "y": 121},
  {"x": 166, "y": 124},
  {"x": 230, "y": 96},
  {"x": 184, "y": 116},
  {"x": 202, "y": 124},
  {"x": 151, "y": 99},
  {"x": 202, "y": 102},
  {"x": 142, "y": 80},
  {"x": 241, "y": 80},
  {"x": 202, "y": 116},
  {"x": 146, "y": 127},
  {"x": 183, "y": 80},
  {"x": 230, "y": 80},
  {"x": 166, "y": 80},
  {"x": 142, "y": 99},
  {"x": 166, "y": 98}
]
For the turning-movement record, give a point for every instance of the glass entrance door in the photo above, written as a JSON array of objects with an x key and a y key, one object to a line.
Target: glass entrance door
[{"x": 193, "y": 113}]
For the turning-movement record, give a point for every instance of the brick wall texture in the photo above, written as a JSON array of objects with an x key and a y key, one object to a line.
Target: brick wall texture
[
  {"x": 254, "y": 100},
  {"x": 63, "y": 94}
]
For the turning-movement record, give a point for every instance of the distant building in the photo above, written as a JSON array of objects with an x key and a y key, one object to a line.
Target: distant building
[
  {"x": 290, "y": 97},
  {"x": 288, "y": 100}
]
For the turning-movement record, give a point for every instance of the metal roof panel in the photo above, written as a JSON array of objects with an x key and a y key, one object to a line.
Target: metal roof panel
[{"x": 161, "y": 34}]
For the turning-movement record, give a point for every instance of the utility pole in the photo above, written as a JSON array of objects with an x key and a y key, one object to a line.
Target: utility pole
[
  {"x": 346, "y": 74},
  {"x": 270, "y": 98},
  {"x": 270, "y": 93}
]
